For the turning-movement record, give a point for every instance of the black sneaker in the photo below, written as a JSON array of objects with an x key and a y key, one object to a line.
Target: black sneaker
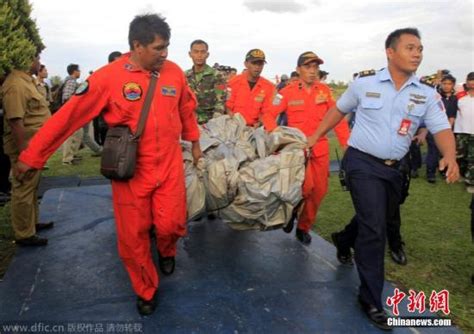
[
  {"x": 146, "y": 307},
  {"x": 34, "y": 240},
  {"x": 303, "y": 236}
]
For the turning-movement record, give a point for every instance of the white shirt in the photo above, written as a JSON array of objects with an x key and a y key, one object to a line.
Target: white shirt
[{"x": 465, "y": 116}]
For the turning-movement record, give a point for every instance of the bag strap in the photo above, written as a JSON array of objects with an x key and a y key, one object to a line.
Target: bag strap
[{"x": 146, "y": 105}]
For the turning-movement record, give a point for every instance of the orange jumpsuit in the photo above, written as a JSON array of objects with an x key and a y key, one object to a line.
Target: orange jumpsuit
[
  {"x": 156, "y": 194},
  {"x": 251, "y": 104},
  {"x": 305, "y": 111}
]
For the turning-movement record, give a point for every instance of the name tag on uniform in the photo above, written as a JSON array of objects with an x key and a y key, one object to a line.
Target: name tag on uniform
[
  {"x": 295, "y": 102},
  {"x": 372, "y": 94},
  {"x": 404, "y": 127},
  {"x": 168, "y": 91}
]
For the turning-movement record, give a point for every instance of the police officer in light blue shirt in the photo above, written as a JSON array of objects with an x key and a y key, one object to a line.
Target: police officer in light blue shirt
[{"x": 390, "y": 104}]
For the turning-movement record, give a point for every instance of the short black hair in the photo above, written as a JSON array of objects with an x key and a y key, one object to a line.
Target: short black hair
[
  {"x": 114, "y": 55},
  {"x": 71, "y": 68},
  {"x": 198, "y": 41},
  {"x": 449, "y": 77},
  {"x": 144, "y": 28},
  {"x": 294, "y": 74},
  {"x": 394, "y": 36},
  {"x": 41, "y": 67}
]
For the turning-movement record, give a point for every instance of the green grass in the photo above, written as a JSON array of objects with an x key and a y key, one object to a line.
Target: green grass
[
  {"x": 436, "y": 229},
  {"x": 88, "y": 167}
]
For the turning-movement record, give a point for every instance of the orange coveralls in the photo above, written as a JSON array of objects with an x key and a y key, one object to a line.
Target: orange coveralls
[
  {"x": 251, "y": 104},
  {"x": 156, "y": 195},
  {"x": 305, "y": 111}
]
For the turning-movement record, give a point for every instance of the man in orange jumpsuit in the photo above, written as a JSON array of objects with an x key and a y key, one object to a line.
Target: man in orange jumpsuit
[
  {"x": 156, "y": 195},
  {"x": 248, "y": 93},
  {"x": 306, "y": 102}
]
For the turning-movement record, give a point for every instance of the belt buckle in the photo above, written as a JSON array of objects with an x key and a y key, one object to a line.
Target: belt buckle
[{"x": 390, "y": 162}]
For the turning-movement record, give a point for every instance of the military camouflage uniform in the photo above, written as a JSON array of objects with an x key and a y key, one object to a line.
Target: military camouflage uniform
[
  {"x": 465, "y": 156},
  {"x": 209, "y": 87}
]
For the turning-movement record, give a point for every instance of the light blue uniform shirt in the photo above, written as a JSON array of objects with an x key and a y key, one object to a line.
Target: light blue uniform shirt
[{"x": 380, "y": 109}]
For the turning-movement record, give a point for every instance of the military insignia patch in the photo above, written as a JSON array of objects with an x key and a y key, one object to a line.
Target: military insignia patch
[
  {"x": 366, "y": 73},
  {"x": 132, "y": 91},
  {"x": 428, "y": 81},
  {"x": 419, "y": 97},
  {"x": 168, "y": 91},
  {"x": 83, "y": 88},
  {"x": 321, "y": 98}
]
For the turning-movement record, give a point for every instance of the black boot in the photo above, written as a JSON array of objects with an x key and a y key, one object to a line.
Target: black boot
[
  {"x": 44, "y": 226},
  {"x": 344, "y": 255},
  {"x": 303, "y": 236},
  {"x": 398, "y": 255},
  {"x": 146, "y": 307},
  {"x": 291, "y": 223},
  {"x": 34, "y": 240},
  {"x": 166, "y": 264}
]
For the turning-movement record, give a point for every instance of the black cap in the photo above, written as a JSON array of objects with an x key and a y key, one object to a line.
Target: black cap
[
  {"x": 308, "y": 57},
  {"x": 255, "y": 55}
]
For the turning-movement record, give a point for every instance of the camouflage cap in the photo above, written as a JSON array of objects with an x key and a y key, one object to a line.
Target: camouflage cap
[
  {"x": 255, "y": 55},
  {"x": 308, "y": 57}
]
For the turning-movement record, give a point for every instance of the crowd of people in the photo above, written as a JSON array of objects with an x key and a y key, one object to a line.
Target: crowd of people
[{"x": 394, "y": 112}]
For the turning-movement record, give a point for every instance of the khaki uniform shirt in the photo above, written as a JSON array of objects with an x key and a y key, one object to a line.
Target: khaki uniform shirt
[{"x": 21, "y": 99}]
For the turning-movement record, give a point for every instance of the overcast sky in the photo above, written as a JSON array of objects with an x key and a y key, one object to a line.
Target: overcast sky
[{"x": 348, "y": 35}]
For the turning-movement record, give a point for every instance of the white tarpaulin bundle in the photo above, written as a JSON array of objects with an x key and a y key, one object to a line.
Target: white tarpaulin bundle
[{"x": 250, "y": 178}]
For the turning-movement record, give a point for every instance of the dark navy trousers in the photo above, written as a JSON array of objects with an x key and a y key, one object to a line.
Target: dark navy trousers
[
  {"x": 432, "y": 156},
  {"x": 376, "y": 191}
]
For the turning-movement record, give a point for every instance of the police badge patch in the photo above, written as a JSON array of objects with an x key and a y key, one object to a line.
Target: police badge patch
[
  {"x": 83, "y": 88},
  {"x": 132, "y": 91}
]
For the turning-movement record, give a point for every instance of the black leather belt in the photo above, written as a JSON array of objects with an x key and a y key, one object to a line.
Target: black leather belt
[{"x": 386, "y": 162}]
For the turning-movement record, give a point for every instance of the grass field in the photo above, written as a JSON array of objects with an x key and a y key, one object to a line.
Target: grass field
[{"x": 435, "y": 227}]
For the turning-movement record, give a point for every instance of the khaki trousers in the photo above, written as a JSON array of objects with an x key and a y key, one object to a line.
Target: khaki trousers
[
  {"x": 24, "y": 203},
  {"x": 71, "y": 145}
]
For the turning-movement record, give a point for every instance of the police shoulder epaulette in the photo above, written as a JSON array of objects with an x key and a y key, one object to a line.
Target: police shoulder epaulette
[
  {"x": 366, "y": 73},
  {"x": 427, "y": 81}
]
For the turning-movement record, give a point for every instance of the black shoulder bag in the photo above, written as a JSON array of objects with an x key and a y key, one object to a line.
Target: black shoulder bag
[{"x": 120, "y": 146}]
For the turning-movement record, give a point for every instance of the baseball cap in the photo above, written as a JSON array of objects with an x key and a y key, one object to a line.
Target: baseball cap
[
  {"x": 308, "y": 57},
  {"x": 255, "y": 54}
]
